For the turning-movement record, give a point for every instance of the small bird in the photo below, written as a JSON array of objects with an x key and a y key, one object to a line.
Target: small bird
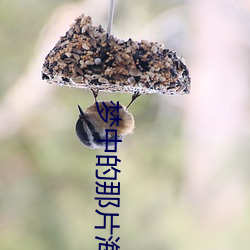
[{"x": 90, "y": 127}]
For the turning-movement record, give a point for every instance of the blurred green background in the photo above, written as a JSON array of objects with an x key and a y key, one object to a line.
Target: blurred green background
[{"x": 185, "y": 170}]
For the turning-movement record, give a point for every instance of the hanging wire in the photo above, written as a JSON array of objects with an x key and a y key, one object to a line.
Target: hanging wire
[{"x": 110, "y": 16}]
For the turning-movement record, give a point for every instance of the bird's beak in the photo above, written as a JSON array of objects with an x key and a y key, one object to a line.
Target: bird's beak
[{"x": 82, "y": 115}]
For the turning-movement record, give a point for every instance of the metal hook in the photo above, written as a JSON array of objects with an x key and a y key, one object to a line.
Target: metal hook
[{"x": 110, "y": 16}]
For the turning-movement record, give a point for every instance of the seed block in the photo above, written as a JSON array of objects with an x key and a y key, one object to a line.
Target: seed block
[{"x": 87, "y": 57}]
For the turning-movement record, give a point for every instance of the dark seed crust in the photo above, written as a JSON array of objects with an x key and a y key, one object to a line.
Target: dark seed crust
[{"x": 87, "y": 57}]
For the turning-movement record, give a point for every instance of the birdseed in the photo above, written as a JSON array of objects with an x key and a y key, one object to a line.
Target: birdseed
[{"x": 87, "y": 57}]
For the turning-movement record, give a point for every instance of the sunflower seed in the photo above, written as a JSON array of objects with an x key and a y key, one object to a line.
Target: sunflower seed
[
  {"x": 131, "y": 80},
  {"x": 61, "y": 62},
  {"x": 77, "y": 29},
  {"x": 69, "y": 60},
  {"x": 77, "y": 57},
  {"x": 88, "y": 62},
  {"x": 68, "y": 54},
  {"x": 144, "y": 78},
  {"x": 145, "y": 42},
  {"x": 95, "y": 76},
  {"x": 150, "y": 74},
  {"x": 78, "y": 70},
  {"x": 77, "y": 79},
  {"x": 154, "y": 49},
  {"x": 84, "y": 29},
  {"x": 103, "y": 80},
  {"x": 85, "y": 46},
  {"x": 134, "y": 72}
]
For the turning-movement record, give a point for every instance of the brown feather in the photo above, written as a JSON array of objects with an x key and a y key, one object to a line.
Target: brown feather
[{"x": 126, "y": 125}]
